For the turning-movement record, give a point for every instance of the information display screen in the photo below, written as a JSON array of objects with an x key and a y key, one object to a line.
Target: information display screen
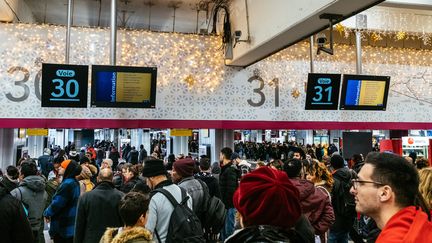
[
  {"x": 362, "y": 92},
  {"x": 119, "y": 86},
  {"x": 322, "y": 91},
  {"x": 64, "y": 85}
]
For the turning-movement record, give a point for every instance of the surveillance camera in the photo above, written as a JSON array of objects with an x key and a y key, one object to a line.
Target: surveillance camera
[
  {"x": 321, "y": 39},
  {"x": 237, "y": 34}
]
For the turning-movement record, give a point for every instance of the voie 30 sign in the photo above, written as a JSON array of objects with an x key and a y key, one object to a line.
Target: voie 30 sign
[{"x": 64, "y": 85}]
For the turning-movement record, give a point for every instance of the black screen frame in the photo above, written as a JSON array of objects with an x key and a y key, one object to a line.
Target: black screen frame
[
  {"x": 48, "y": 74},
  {"x": 129, "y": 69},
  {"x": 336, "y": 83},
  {"x": 346, "y": 77}
]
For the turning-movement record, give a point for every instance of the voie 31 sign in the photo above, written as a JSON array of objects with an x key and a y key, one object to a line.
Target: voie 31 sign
[{"x": 64, "y": 85}]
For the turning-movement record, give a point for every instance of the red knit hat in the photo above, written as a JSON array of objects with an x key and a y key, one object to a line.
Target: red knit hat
[
  {"x": 267, "y": 197},
  {"x": 184, "y": 167}
]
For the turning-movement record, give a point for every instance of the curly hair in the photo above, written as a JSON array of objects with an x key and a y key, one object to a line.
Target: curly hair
[
  {"x": 425, "y": 186},
  {"x": 321, "y": 173}
]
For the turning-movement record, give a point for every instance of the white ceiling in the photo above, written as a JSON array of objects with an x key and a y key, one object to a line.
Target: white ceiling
[{"x": 131, "y": 13}]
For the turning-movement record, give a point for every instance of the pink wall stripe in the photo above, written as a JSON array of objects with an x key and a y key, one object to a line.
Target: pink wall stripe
[{"x": 219, "y": 124}]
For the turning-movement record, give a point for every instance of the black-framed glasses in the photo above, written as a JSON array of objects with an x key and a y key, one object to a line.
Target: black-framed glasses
[{"x": 357, "y": 182}]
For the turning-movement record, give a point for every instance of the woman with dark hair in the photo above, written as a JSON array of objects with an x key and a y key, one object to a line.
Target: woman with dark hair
[
  {"x": 130, "y": 177},
  {"x": 171, "y": 160},
  {"x": 62, "y": 210},
  {"x": 114, "y": 155}
]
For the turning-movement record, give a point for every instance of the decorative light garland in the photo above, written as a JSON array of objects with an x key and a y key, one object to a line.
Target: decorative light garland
[
  {"x": 179, "y": 57},
  {"x": 197, "y": 62}
]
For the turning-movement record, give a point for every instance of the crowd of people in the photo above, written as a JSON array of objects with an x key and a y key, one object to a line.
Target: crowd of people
[{"x": 293, "y": 194}]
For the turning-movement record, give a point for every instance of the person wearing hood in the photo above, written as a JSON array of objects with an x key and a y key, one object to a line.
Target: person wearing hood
[
  {"x": 315, "y": 203},
  {"x": 14, "y": 225},
  {"x": 31, "y": 193},
  {"x": 386, "y": 190},
  {"x": 62, "y": 210},
  {"x": 10, "y": 179}
]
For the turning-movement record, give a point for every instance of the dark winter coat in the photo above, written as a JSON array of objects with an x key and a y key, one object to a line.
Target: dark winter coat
[
  {"x": 142, "y": 155},
  {"x": 343, "y": 222},
  {"x": 14, "y": 226},
  {"x": 97, "y": 210},
  {"x": 127, "y": 187},
  {"x": 264, "y": 233},
  {"x": 8, "y": 183},
  {"x": 114, "y": 156},
  {"x": 45, "y": 164},
  {"x": 357, "y": 167},
  {"x": 133, "y": 157},
  {"x": 31, "y": 192},
  {"x": 228, "y": 183},
  {"x": 212, "y": 183},
  {"x": 315, "y": 205}
]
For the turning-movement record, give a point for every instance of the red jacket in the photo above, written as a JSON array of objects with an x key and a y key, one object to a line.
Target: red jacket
[
  {"x": 315, "y": 205},
  {"x": 409, "y": 225}
]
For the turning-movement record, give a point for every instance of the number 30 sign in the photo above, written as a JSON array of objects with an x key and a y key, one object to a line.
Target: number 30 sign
[{"x": 64, "y": 85}]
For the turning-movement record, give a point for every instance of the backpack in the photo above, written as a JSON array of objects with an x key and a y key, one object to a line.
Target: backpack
[
  {"x": 214, "y": 212},
  {"x": 184, "y": 225},
  {"x": 343, "y": 201}
]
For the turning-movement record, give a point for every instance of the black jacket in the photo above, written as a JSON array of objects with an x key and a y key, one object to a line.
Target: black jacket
[
  {"x": 342, "y": 222},
  {"x": 142, "y": 155},
  {"x": 127, "y": 187},
  {"x": 14, "y": 225},
  {"x": 228, "y": 183},
  {"x": 114, "y": 156},
  {"x": 265, "y": 233},
  {"x": 8, "y": 184},
  {"x": 97, "y": 210},
  {"x": 133, "y": 157},
  {"x": 211, "y": 182}
]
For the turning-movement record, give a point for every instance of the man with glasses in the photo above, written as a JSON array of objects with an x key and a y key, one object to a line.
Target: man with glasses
[{"x": 386, "y": 190}]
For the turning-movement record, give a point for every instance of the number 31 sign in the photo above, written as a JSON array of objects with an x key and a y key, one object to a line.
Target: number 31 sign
[
  {"x": 64, "y": 85},
  {"x": 322, "y": 91}
]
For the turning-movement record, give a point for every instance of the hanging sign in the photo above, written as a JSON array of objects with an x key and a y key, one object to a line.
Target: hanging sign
[
  {"x": 181, "y": 132},
  {"x": 322, "y": 91},
  {"x": 64, "y": 85}
]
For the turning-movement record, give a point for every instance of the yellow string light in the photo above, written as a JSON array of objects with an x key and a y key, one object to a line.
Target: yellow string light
[
  {"x": 376, "y": 37},
  {"x": 340, "y": 28},
  {"x": 196, "y": 61},
  {"x": 401, "y": 35},
  {"x": 176, "y": 55}
]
